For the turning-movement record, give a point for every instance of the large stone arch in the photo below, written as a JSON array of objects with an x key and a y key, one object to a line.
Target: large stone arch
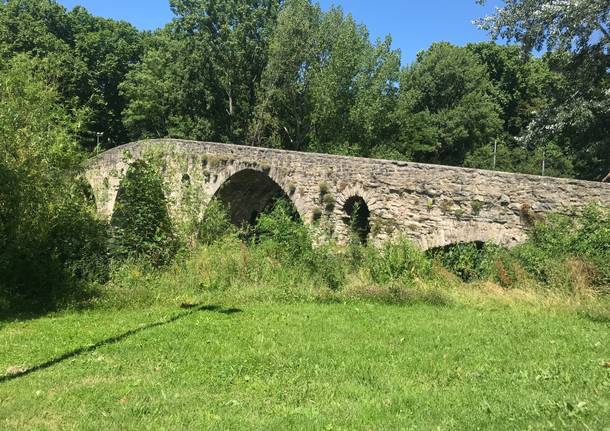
[
  {"x": 247, "y": 192},
  {"x": 471, "y": 231}
]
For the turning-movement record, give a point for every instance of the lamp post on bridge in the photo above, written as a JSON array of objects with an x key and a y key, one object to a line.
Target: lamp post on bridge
[
  {"x": 98, "y": 135},
  {"x": 543, "y": 160}
]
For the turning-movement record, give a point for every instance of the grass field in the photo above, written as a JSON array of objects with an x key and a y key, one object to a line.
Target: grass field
[{"x": 361, "y": 365}]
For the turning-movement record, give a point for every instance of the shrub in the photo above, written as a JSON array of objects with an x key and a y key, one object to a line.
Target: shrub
[
  {"x": 80, "y": 239},
  {"x": 328, "y": 201},
  {"x": 561, "y": 238},
  {"x": 469, "y": 261},
  {"x": 141, "y": 228},
  {"x": 289, "y": 241},
  {"x": 400, "y": 260},
  {"x": 279, "y": 232},
  {"x": 215, "y": 224}
]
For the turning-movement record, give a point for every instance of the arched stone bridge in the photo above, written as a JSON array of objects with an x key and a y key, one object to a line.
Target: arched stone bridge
[{"x": 433, "y": 205}]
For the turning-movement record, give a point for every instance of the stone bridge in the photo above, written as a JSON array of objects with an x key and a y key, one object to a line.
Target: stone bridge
[{"x": 381, "y": 199}]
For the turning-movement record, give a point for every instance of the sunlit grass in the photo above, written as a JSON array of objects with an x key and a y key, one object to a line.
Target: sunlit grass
[{"x": 360, "y": 365}]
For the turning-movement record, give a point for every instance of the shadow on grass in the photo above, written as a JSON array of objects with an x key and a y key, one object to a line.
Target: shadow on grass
[{"x": 190, "y": 310}]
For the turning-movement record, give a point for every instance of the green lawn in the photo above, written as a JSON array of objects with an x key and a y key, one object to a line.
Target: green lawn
[{"x": 357, "y": 366}]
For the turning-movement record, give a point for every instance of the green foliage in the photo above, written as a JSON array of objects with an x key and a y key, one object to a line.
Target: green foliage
[
  {"x": 576, "y": 36},
  {"x": 359, "y": 223},
  {"x": 398, "y": 261},
  {"x": 447, "y": 106},
  {"x": 326, "y": 87},
  {"x": 50, "y": 240},
  {"x": 199, "y": 75},
  {"x": 79, "y": 238},
  {"x": 287, "y": 74},
  {"x": 282, "y": 109},
  {"x": 290, "y": 242},
  {"x": 560, "y": 26},
  {"x": 215, "y": 224},
  {"x": 562, "y": 253},
  {"x": 86, "y": 57},
  {"x": 278, "y": 230},
  {"x": 469, "y": 261},
  {"x": 141, "y": 227},
  {"x": 554, "y": 245}
]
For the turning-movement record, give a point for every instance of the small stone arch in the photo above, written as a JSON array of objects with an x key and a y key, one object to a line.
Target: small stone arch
[
  {"x": 347, "y": 195},
  {"x": 249, "y": 192},
  {"x": 356, "y": 215}
]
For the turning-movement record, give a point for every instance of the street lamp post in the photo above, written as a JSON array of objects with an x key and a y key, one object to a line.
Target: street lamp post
[{"x": 98, "y": 135}]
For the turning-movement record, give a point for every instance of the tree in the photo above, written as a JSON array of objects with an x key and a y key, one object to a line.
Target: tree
[
  {"x": 85, "y": 57},
  {"x": 153, "y": 91},
  {"x": 49, "y": 237},
  {"x": 523, "y": 83},
  {"x": 326, "y": 87},
  {"x": 225, "y": 52},
  {"x": 447, "y": 106},
  {"x": 199, "y": 75},
  {"x": 353, "y": 88},
  {"x": 108, "y": 49},
  {"x": 524, "y": 86},
  {"x": 576, "y": 34},
  {"x": 565, "y": 25},
  {"x": 281, "y": 117}
]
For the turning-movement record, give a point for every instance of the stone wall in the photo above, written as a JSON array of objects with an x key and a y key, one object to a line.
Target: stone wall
[{"x": 432, "y": 205}]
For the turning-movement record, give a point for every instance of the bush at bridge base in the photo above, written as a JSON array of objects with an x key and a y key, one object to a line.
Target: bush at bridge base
[
  {"x": 141, "y": 228},
  {"x": 279, "y": 261},
  {"x": 565, "y": 251}
]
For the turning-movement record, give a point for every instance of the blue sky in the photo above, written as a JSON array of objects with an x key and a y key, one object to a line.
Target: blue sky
[{"x": 413, "y": 24}]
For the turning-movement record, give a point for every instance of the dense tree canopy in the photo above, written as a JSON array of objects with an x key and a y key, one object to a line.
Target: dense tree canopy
[
  {"x": 85, "y": 57},
  {"x": 48, "y": 230},
  {"x": 287, "y": 74},
  {"x": 576, "y": 35}
]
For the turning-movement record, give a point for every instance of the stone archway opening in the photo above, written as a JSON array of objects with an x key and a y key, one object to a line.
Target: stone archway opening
[
  {"x": 248, "y": 194},
  {"x": 358, "y": 218}
]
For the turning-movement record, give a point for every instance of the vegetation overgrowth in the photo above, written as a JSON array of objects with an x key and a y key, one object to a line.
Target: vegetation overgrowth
[
  {"x": 267, "y": 329},
  {"x": 282, "y": 259}
]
